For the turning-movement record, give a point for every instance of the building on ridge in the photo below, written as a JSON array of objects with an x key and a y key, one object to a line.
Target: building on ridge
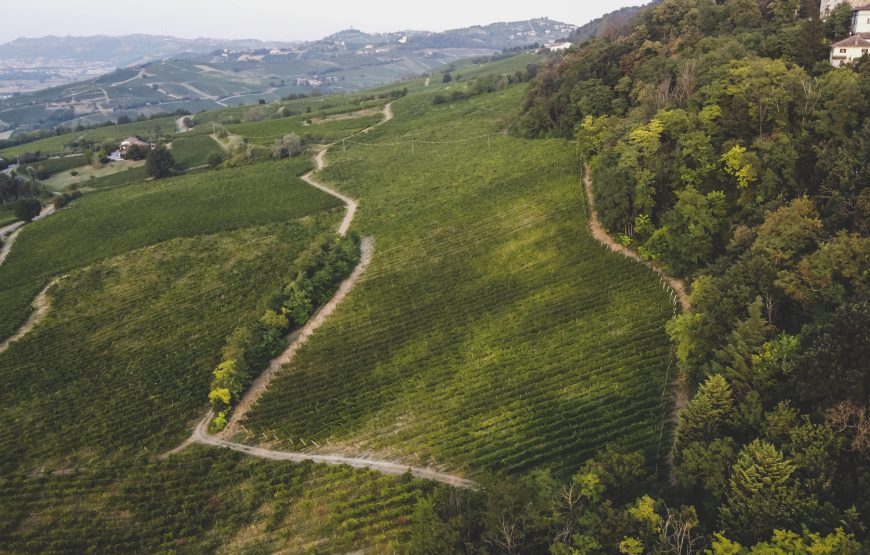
[{"x": 858, "y": 44}]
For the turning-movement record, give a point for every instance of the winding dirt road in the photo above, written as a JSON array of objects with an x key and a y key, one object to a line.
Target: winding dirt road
[
  {"x": 680, "y": 395},
  {"x": 298, "y": 339},
  {"x": 180, "y": 126},
  {"x": 349, "y": 202},
  {"x": 677, "y": 285},
  {"x": 200, "y": 433},
  {"x": 41, "y": 304},
  {"x": 9, "y": 233}
]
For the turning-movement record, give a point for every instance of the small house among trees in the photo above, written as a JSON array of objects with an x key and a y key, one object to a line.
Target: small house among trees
[
  {"x": 129, "y": 142},
  {"x": 858, "y": 44}
]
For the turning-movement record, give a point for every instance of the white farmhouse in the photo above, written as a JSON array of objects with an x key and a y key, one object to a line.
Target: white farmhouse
[
  {"x": 857, "y": 45},
  {"x": 861, "y": 20},
  {"x": 850, "y": 49}
]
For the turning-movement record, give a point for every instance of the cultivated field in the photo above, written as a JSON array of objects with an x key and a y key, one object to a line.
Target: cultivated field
[
  {"x": 265, "y": 132},
  {"x": 133, "y": 217},
  {"x": 122, "y": 364},
  {"x": 190, "y": 152},
  {"x": 492, "y": 332},
  {"x": 206, "y": 500}
]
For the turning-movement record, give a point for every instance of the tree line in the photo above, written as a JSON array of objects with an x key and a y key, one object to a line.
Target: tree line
[{"x": 314, "y": 277}]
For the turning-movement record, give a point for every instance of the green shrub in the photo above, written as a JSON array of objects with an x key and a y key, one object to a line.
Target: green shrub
[{"x": 316, "y": 274}]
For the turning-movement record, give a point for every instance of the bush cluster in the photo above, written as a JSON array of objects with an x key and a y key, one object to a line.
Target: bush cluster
[{"x": 314, "y": 278}]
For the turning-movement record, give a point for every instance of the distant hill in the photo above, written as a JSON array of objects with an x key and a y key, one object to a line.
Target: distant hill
[
  {"x": 144, "y": 75},
  {"x": 120, "y": 51}
]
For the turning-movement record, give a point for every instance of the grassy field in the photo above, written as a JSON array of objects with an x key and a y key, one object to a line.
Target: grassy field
[
  {"x": 61, "y": 164},
  {"x": 265, "y": 132},
  {"x": 491, "y": 331},
  {"x": 131, "y": 217},
  {"x": 133, "y": 174},
  {"x": 308, "y": 107},
  {"x": 7, "y": 215}
]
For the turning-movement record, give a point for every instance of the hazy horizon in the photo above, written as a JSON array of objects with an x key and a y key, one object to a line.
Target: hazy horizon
[{"x": 270, "y": 20}]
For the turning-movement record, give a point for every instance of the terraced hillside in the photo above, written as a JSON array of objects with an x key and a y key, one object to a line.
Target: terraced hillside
[{"x": 491, "y": 332}]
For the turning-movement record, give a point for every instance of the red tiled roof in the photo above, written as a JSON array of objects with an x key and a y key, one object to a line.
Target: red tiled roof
[{"x": 861, "y": 39}]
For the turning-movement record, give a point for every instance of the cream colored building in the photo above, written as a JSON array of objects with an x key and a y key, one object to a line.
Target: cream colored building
[
  {"x": 850, "y": 49},
  {"x": 861, "y": 20}
]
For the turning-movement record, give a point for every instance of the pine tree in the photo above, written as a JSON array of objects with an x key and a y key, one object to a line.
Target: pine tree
[
  {"x": 734, "y": 361},
  {"x": 706, "y": 411},
  {"x": 761, "y": 494}
]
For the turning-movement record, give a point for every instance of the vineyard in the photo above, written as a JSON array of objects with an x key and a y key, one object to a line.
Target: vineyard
[
  {"x": 121, "y": 365},
  {"x": 190, "y": 152},
  {"x": 265, "y": 132},
  {"x": 492, "y": 332},
  {"x": 131, "y": 342},
  {"x": 204, "y": 501},
  {"x": 132, "y": 217},
  {"x": 309, "y": 107}
]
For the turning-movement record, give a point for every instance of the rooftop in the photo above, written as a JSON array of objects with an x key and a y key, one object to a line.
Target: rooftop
[{"x": 860, "y": 39}]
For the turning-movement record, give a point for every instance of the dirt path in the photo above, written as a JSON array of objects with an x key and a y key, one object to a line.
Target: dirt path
[
  {"x": 8, "y": 241},
  {"x": 351, "y": 203},
  {"x": 222, "y": 144},
  {"x": 9, "y": 233},
  {"x": 200, "y": 433},
  {"x": 139, "y": 75},
  {"x": 41, "y": 304},
  {"x": 320, "y": 161},
  {"x": 201, "y": 93},
  {"x": 180, "y": 125},
  {"x": 300, "y": 337},
  {"x": 677, "y": 285}
]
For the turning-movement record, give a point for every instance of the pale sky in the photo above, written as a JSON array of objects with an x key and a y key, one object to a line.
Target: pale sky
[{"x": 279, "y": 20}]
